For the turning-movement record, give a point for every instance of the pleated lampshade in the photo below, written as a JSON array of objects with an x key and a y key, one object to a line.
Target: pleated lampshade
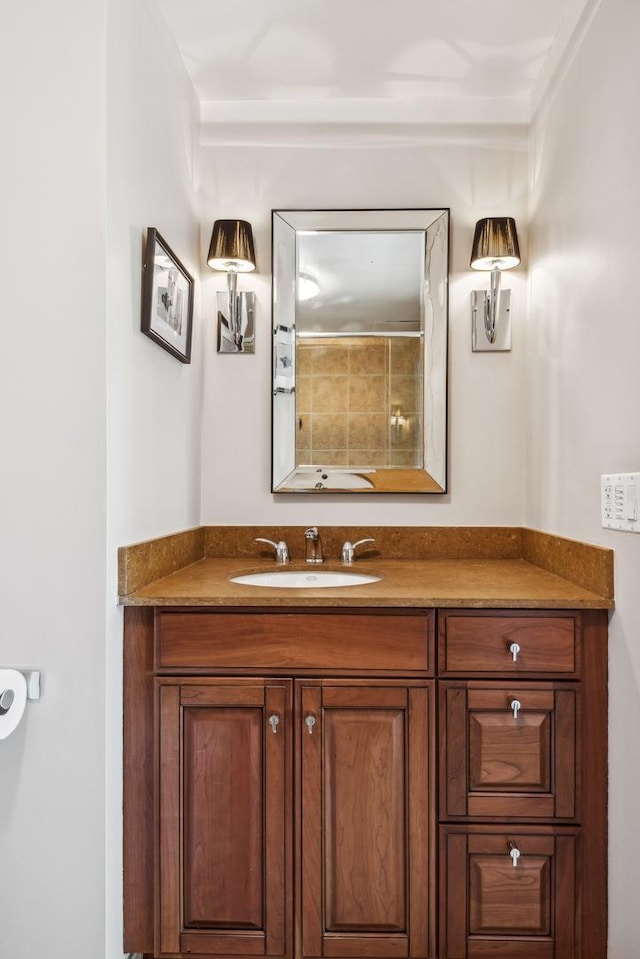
[
  {"x": 231, "y": 246},
  {"x": 495, "y": 244}
]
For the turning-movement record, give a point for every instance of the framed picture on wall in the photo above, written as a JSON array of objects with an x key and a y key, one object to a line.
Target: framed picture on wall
[{"x": 167, "y": 298}]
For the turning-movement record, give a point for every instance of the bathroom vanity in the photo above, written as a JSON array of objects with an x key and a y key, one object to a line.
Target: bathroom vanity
[{"x": 335, "y": 773}]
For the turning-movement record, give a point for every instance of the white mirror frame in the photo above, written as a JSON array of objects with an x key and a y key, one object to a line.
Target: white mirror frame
[{"x": 287, "y": 477}]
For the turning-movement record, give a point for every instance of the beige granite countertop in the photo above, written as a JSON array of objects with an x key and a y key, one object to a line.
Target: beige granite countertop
[
  {"x": 507, "y": 583},
  {"x": 419, "y": 566}
]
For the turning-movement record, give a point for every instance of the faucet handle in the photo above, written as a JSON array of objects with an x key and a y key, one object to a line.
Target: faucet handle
[
  {"x": 313, "y": 545},
  {"x": 281, "y": 548},
  {"x": 348, "y": 554}
]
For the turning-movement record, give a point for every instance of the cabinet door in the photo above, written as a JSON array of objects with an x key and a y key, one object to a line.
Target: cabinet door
[
  {"x": 224, "y": 778},
  {"x": 508, "y": 894},
  {"x": 367, "y": 867},
  {"x": 510, "y": 750}
]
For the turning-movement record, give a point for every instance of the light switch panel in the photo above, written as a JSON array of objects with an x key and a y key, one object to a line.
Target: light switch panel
[{"x": 621, "y": 501}]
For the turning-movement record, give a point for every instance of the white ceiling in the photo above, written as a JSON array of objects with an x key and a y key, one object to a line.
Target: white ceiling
[{"x": 271, "y": 60}]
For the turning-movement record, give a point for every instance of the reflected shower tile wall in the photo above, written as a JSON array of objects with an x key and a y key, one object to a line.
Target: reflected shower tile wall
[
  {"x": 368, "y": 355},
  {"x": 348, "y": 390},
  {"x": 366, "y": 430},
  {"x": 329, "y": 431},
  {"x": 367, "y": 394},
  {"x": 328, "y": 458},
  {"x": 329, "y": 394},
  {"x": 365, "y": 458}
]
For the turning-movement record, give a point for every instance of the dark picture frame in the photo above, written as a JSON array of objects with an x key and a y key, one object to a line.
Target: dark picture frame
[{"x": 167, "y": 298}]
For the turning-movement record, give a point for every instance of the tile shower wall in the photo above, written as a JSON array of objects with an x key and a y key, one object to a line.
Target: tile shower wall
[{"x": 359, "y": 402}]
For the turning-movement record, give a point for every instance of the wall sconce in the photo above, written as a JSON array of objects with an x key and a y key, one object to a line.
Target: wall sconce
[
  {"x": 495, "y": 248},
  {"x": 398, "y": 419},
  {"x": 231, "y": 249}
]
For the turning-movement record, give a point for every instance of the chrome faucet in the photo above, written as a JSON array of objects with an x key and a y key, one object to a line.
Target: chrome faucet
[
  {"x": 313, "y": 545},
  {"x": 281, "y": 548},
  {"x": 348, "y": 554}
]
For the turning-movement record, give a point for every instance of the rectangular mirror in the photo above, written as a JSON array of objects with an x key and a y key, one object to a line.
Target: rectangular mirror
[{"x": 360, "y": 312}]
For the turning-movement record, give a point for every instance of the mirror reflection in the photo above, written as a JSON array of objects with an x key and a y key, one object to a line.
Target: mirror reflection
[{"x": 359, "y": 330}]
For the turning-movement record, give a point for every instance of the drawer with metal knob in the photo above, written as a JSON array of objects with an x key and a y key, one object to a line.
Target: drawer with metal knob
[
  {"x": 511, "y": 750},
  {"x": 509, "y": 644}
]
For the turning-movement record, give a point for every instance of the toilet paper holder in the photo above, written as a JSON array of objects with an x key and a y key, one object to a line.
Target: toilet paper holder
[{"x": 32, "y": 677}]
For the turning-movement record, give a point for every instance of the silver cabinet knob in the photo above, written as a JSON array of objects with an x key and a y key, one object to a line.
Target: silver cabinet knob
[
  {"x": 514, "y": 852},
  {"x": 310, "y": 722},
  {"x": 514, "y": 649},
  {"x": 516, "y": 705},
  {"x": 274, "y": 722}
]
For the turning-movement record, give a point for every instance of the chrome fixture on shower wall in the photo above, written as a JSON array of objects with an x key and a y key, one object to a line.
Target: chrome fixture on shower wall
[
  {"x": 495, "y": 248},
  {"x": 231, "y": 250}
]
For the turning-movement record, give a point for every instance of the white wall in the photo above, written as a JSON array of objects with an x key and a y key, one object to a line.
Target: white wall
[
  {"x": 60, "y": 524},
  {"x": 154, "y": 401},
  {"x": 584, "y": 393},
  {"x": 486, "y": 398},
  {"x": 52, "y": 480}
]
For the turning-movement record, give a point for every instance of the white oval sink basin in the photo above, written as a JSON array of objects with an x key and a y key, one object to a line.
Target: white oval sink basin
[{"x": 304, "y": 579}]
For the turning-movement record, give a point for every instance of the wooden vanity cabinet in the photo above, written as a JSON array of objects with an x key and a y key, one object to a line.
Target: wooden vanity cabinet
[
  {"x": 283, "y": 790},
  {"x": 292, "y": 811},
  {"x": 522, "y": 784}
]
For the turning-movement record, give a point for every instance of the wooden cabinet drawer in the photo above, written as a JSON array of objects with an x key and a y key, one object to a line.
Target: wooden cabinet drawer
[
  {"x": 493, "y": 908},
  {"x": 301, "y": 643},
  {"x": 509, "y": 644},
  {"x": 509, "y": 750}
]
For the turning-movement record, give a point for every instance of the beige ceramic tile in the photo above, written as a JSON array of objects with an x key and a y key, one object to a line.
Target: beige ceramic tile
[
  {"x": 367, "y": 458},
  {"x": 303, "y": 394},
  {"x": 367, "y": 431},
  {"x": 408, "y": 459},
  {"x": 331, "y": 358},
  {"x": 329, "y": 457},
  {"x": 329, "y": 431},
  {"x": 406, "y": 392},
  {"x": 329, "y": 394},
  {"x": 303, "y": 433},
  {"x": 367, "y": 394},
  {"x": 303, "y": 358},
  {"x": 368, "y": 355},
  {"x": 406, "y": 356}
]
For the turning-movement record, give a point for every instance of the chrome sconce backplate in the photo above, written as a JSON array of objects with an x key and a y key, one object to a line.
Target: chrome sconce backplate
[
  {"x": 480, "y": 342},
  {"x": 236, "y": 334}
]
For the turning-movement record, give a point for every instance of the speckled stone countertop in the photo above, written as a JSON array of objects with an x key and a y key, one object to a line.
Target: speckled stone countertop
[{"x": 505, "y": 567}]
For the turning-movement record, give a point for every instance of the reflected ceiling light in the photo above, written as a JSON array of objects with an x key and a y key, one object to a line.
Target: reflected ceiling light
[
  {"x": 307, "y": 287},
  {"x": 495, "y": 248},
  {"x": 232, "y": 251}
]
